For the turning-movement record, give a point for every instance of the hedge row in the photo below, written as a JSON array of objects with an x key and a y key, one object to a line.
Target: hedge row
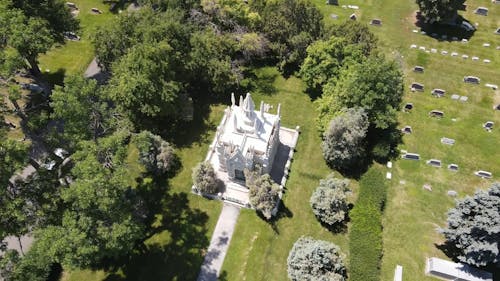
[{"x": 365, "y": 237}]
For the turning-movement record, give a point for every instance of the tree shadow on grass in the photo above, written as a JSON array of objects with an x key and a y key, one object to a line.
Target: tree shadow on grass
[
  {"x": 445, "y": 32},
  {"x": 54, "y": 78},
  {"x": 283, "y": 212},
  {"x": 175, "y": 250},
  {"x": 261, "y": 81}
]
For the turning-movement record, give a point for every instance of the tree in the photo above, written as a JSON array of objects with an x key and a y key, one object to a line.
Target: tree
[
  {"x": 344, "y": 142},
  {"x": 103, "y": 216},
  {"x": 79, "y": 104},
  {"x": 376, "y": 85},
  {"x": 290, "y": 25},
  {"x": 13, "y": 156},
  {"x": 473, "y": 227},
  {"x": 32, "y": 27},
  {"x": 354, "y": 32},
  {"x": 155, "y": 154},
  {"x": 205, "y": 179},
  {"x": 318, "y": 260},
  {"x": 264, "y": 194},
  {"x": 144, "y": 84},
  {"x": 329, "y": 200},
  {"x": 325, "y": 59},
  {"x": 439, "y": 10}
]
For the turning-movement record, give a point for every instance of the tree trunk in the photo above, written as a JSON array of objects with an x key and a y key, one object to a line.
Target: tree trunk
[
  {"x": 20, "y": 244},
  {"x": 35, "y": 70}
]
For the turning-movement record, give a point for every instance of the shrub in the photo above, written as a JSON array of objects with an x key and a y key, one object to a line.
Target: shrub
[
  {"x": 155, "y": 154},
  {"x": 312, "y": 259},
  {"x": 365, "y": 237},
  {"x": 264, "y": 195},
  {"x": 205, "y": 179},
  {"x": 329, "y": 200}
]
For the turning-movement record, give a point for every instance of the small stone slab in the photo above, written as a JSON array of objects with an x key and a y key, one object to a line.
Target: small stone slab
[
  {"x": 455, "y": 97},
  {"x": 434, "y": 162},
  {"x": 422, "y": 48},
  {"x": 472, "y": 79},
  {"x": 453, "y": 167},
  {"x": 465, "y": 57},
  {"x": 418, "y": 69},
  {"x": 488, "y": 125},
  {"x": 492, "y": 86},
  {"x": 436, "y": 113},
  {"x": 452, "y": 193},
  {"x": 454, "y": 54},
  {"x": 475, "y": 58},
  {"x": 482, "y": 11},
  {"x": 434, "y": 50},
  {"x": 415, "y": 86},
  {"x": 486, "y": 44},
  {"x": 411, "y": 156},
  {"x": 427, "y": 187},
  {"x": 438, "y": 92},
  {"x": 353, "y": 17},
  {"x": 408, "y": 106},
  {"x": 447, "y": 141},
  {"x": 407, "y": 130},
  {"x": 464, "y": 98},
  {"x": 376, "y": 22},
  {"x": 413, "y": 46},
  {"x": 388, "y": 175},
  {"x": 444, "y": 52},
  {"x": 486, "y": 61}
]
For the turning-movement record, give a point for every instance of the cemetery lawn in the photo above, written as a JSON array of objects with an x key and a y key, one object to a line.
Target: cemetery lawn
[
  {"x": 259, "y": 250},
  {"x": 73, "y": 57},
  {"x": 413, "y": 214}
]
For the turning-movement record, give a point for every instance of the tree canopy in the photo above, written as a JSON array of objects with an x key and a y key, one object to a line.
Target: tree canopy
[
  {"x": 439, "y": 10},
  {"x": 329, "y": 200},
  {"x": 473, "y": 227},
  {"x": 205, "y": 179},
  {"x": 264, "y": 194},
  {"x": 344, "y": 144},
  {"x": 316, "y": 260}
]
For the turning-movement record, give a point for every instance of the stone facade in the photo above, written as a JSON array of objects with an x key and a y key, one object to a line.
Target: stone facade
[{"x": 246, "y": 138}]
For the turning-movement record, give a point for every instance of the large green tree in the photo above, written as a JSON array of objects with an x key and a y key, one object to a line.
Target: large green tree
[
  {"x": 13, "y": 156},
  {"x": 144, "y": 83},
  {"x": 80, "y": 105},
  {"x": 473, "y": 228},
  {"x": 329, "y": 200},
  {"x": 376, "y": 85},
  {"x": 439, "y": 10}
]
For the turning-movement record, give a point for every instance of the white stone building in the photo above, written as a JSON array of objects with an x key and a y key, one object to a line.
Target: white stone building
[{"x": 246, "y": 138}]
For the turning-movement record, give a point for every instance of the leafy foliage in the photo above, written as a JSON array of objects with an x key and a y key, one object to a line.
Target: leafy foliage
[
  {"x": 155, "y": 154},
  {"x": 439, "y": 10},
  {"x": 13, "y": 156},
  {"x": 365, "y": 236},
  {"x": 355, "y": 32},
  {"x": 329, "y": 200},
  {"x": 473, "y": 227},
  {"x": 264, "y": 194},
  {"x": 290, "y": 26},
  {"x": 205, "y": 179},
  {"x": 318, "y": 260},
  {"x": 376, "y": 85},
  {"x": 344, "y": 143},
  {"x": 81, "y": 106}
]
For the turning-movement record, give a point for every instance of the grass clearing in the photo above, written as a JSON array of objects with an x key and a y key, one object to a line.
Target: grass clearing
[{"x": 413, "y": 214}]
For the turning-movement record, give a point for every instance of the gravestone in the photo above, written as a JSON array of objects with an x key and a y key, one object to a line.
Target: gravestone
[
  {"x": 483, "y": 174},
  {"x": 418, "y": 69},
  {"x": 447, "y": 141},
  {"x": 71, "y": 5},
  {"x": 465, "y": 57},
  {"x": 471, "y": 79},
  {"x": 496, "y": 107},
  {"x": 353, "y": 17},
  {"x": 455, "y": 97},
  {"x": 417, "y": 87},
  {"x": 488, "y": 125},
  {"x": 482, "y": 11},
  {"x": 376, "y": 22},
  {"x": 492, "y": 86},
  {"x": 411, "y": 156},
  {"x": 438, "y": 92},
  {"x": 497, "y": 32},
  {"x": 406, "y": 130},
  {"x": 408, "y": 106},
  {"x": 454, "y": 54},
  {"x": 332, "y": 2},
  {"x": 436, "y": 113},
  {"x": 452, "y": 193},
  {"x": 434, "y": 162},
  {"x": 95, "y": 11},
  {"x": 464, "y": 98},
  {"x": 453, "y": 167}
]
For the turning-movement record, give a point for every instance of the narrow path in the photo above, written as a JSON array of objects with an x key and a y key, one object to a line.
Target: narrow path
[{"x": 210, "y": 269}]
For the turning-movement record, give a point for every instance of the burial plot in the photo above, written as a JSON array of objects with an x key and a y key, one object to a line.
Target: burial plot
[
  {"x": 407, "y": 130},
  {"x": 434, "y": 162},
  {"x": 418, "y": 69},
  {"x": 482, "y": 11},
  {"x": 472, "y": 79},
  {"x": 447, "y": 141},
  {"x": 376, "y": 22},
  {"x": 411, "y": 156},
  {"x": 453, "y": 167},
  {"x": 438, "y": 93},
  {"x": 483, "y": 174},
  {"x": 417, "y": 87},
  {"x": 436, "y": 113}
]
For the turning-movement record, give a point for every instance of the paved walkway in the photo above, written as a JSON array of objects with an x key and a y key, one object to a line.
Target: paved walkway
[{"x": 210, "y": 269}]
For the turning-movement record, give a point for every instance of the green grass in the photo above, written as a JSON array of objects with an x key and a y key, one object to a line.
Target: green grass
[
  {"x": 74, "y": 56},
  {"x": 413, "y": 214},
  {"x": 259, "y": 250}
]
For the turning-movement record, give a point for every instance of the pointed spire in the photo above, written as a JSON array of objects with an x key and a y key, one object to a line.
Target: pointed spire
[
  {"x": 241, "y": 101},
  {"x": 262, "y": 109},
  {"x": 248, "y": 104},
  {"x": 278, "y": 112},
  {"x": 232, "y": 99}
]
